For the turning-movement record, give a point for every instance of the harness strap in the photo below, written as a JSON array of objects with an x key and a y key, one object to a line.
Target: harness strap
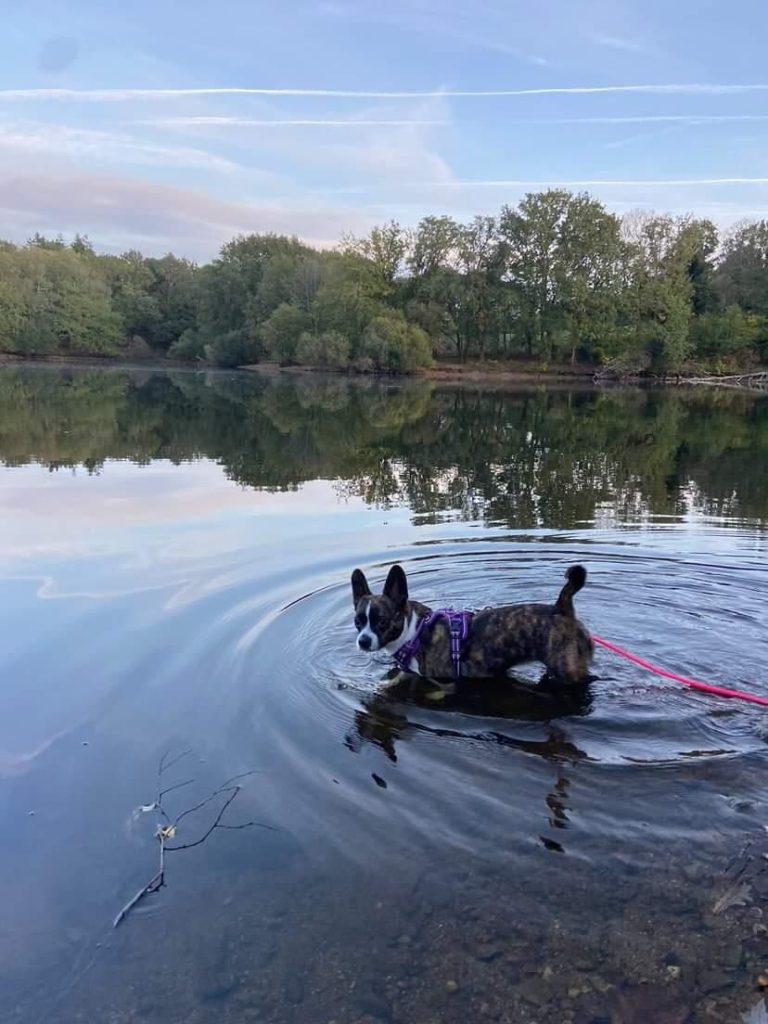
[{"x": 458, "y": 626}]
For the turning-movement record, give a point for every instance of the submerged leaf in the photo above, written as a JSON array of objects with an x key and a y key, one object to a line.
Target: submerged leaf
[
  {"x": 736, "y": 896},
  {"x": 137, "y": 812}
]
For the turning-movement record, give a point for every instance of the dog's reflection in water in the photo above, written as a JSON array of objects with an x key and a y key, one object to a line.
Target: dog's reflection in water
[{"x": 405, "y": 706}]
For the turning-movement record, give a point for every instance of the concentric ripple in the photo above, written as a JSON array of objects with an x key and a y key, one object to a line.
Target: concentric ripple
[{"x": 367, "y": 766}]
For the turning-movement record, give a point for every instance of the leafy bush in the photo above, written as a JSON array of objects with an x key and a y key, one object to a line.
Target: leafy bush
[
  {"x": 330, "y": 350},
  {"x": 722, "y": 334},
  {"x": 235, "y": 348},
  {"x": 391, "y": 344},
  {"x": 189, "y": 348},
  {"x": 282, "y": 331}
]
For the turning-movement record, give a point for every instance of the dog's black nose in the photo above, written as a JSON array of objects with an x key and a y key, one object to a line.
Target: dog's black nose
[{"x": 364, "y": 643}]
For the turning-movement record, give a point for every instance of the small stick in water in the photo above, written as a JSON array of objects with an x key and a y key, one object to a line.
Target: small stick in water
[{"x": 168, "y": 832}]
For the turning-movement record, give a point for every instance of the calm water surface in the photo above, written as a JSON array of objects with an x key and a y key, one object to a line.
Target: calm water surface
[{"x": 174, "y": 561}]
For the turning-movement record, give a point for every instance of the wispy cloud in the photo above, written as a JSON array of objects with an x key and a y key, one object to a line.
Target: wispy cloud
[
  {"x": 621, "y": 43},
  {"x": 481, "y": 26},
  {"x": 643, "y": 119},
  {"x": 128, "y": 95},
  {"x": 636, "y": 137},
  {"x": 122, "y": 213},
  {"x": 246, "y": 122},
  {"x": 538, "y": 183},
  {"x": 381, "y": 156},
  {"x": 596, "y": 183},
  {"x": 62, "y": 141}
]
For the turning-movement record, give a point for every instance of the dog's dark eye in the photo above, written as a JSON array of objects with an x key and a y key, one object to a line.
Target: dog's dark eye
[{"x": 359, "y": 621}]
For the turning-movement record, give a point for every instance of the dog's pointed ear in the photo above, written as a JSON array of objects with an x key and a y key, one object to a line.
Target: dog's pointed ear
[
  {"x": 396, "y": 587},
  {"x": 360, "y": 586}
]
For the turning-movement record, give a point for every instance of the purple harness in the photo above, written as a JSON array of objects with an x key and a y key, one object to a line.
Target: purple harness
[{"x": 458, "y": 625}]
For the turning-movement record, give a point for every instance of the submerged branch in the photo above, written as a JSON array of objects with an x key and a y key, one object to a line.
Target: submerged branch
[
  {"x": 155, "y": 883},
  {"x": 164, "y": 834}
]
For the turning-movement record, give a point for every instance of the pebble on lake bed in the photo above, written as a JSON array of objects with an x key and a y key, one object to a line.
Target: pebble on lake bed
[
  {"x": 762, "y": 979},
  {"x": 451, "y": 986}
]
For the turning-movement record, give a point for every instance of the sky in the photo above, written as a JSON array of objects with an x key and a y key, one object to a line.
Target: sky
[{"x": 169, "y": 126}]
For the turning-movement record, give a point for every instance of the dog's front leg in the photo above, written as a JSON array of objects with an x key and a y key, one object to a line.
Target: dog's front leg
[{"x": 390, "y": 681}]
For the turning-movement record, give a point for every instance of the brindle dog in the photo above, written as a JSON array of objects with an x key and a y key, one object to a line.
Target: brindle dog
[{"x": 499, "y": 638}]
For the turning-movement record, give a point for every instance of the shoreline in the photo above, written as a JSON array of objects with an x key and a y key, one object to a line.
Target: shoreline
[
  {"x": 448, "y": 373},
  {"x": 491, "y": 374}
]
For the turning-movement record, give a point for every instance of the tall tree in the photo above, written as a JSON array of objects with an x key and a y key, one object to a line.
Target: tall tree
[
  {"x": 531, "y": 233},
  {"x": 387, "y": 247},
  {"x": 742, "y": 275}
]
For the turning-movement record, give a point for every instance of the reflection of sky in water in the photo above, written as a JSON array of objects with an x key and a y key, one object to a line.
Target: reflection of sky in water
[
  {"x": 67, "y": 513},
  {"x": 133, "y": 528},
  {"x": 94, "y": 567}
]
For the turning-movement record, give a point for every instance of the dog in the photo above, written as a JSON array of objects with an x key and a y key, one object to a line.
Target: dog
[{"x": 491, "y": 641}]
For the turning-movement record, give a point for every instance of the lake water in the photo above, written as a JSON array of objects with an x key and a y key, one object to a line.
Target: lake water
[{"x": 175, "y": 552}]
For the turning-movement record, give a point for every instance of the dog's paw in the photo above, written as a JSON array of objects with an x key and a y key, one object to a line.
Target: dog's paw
[{"x": 435, "y": 695}]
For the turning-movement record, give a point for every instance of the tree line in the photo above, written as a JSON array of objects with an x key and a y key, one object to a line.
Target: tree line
[{"x": 555, "y": 278}]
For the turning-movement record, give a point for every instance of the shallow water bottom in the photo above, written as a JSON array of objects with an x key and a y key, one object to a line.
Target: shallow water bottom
[{"x": 436, "y": 943}]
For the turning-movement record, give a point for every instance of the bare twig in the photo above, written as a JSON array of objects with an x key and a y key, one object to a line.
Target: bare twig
[
  {"x": 157, "y": 882},
  {"x": 179, "y": 785},
  {"x": 250, "y": 824},
  {"x": 164, "y": 765},
  {"x": 219, "y": 816},
  {"x": 163, "y": 835},
  {"x": 225, "y": 787}
]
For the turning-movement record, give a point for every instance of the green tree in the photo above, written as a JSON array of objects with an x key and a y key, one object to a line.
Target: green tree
[
  {"x": 391, "y": 344},
  {"x": 741, "y": 277},
  {"x": 174, "y": 288},
  {"x": 282, "y": 331},
  {"x": 587, "y": 272},
  {"x": 66, "y": 305},
  {"x": 531, "y": 234},
  {"x": 238, "y": 292},
  {"x": 661, "y": 289},
  {"x": 351, "y": 294},
  {"x": 434, "y": 245},
  {"x": 386, "y": 247},
  {"x": 330, "y": 350}
]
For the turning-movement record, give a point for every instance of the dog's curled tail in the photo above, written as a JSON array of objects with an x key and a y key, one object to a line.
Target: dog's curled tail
[{"x": 576, "y": 577}]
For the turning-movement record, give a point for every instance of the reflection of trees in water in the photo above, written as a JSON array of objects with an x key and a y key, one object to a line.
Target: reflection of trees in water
[{"x": 551, "y": 458}]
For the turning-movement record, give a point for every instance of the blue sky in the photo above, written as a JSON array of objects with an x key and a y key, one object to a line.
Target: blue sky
[{"x": 171, "y": 125}]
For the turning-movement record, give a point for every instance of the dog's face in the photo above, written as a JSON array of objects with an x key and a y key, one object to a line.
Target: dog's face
[{"x": 379, "y": 619}]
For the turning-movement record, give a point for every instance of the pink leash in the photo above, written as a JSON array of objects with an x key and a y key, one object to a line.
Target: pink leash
[{"x": 716, "y": 691}]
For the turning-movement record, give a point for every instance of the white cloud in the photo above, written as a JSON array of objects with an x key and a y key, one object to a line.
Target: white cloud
[
  {"x": 119, "y": 212},
  {"x": 621, "y": 44},
  {"x": 691, "y": 119},
  {"x": 376, "y": 152},
  {"x": 245, "y": 122},
  {"x": 129, "y": 95},
  {"x": 63, "y": 141},
  {"x": 589, "y": 183},
  {"x": 455, "y": 184}
]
